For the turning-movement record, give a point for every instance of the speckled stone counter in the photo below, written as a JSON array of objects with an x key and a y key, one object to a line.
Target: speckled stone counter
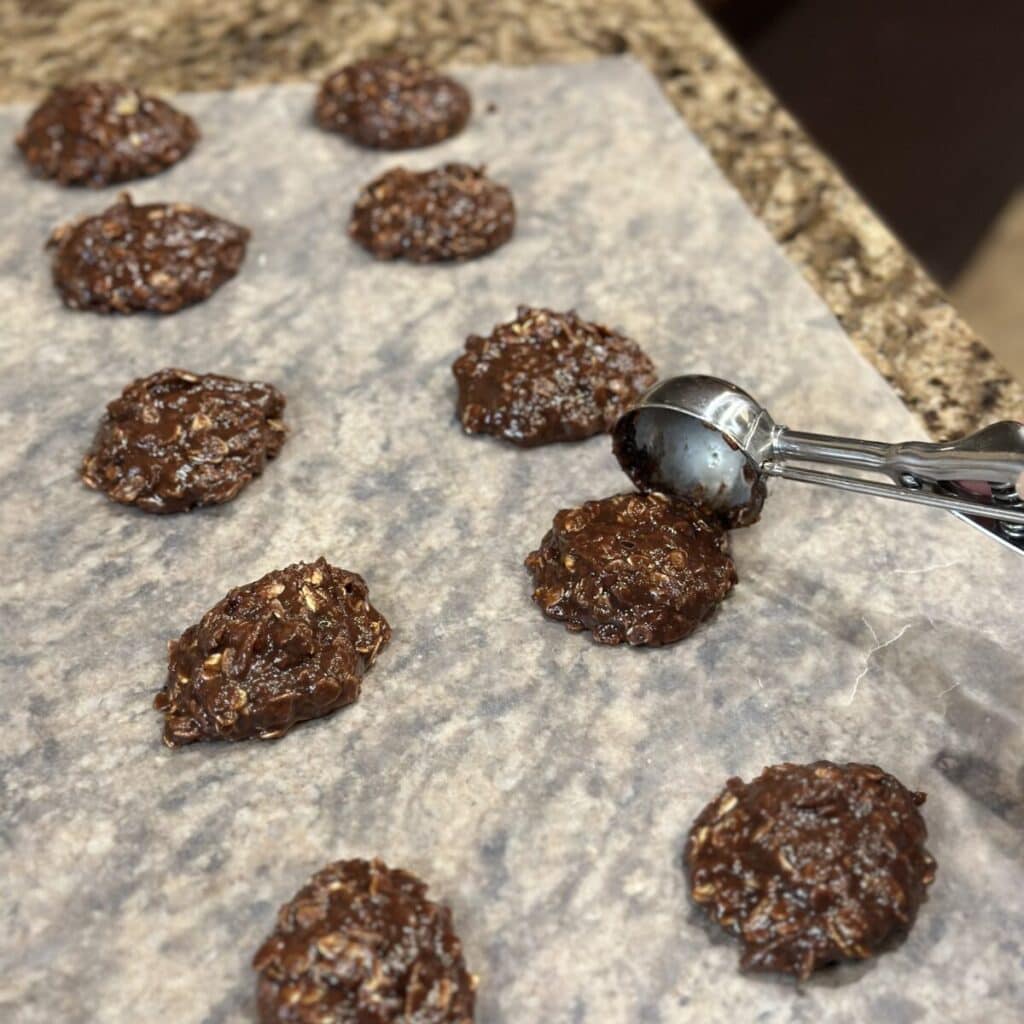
[
  {"x": 897, "y": 316},
  {"x": 541, "y": 783}
]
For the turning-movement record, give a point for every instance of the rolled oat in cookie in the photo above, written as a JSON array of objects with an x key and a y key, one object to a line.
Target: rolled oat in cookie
[
  {"x": 641, "y": 569},
  {"x": 392, "y": 103},
  {"x": 811, "y": 864},
  {"x": 101, "y": 133},
  {"x": 454, "y": 212},
  {"x": 158, "y": 258},
  {"x": 176, "y": 440},
  {"x": 362, "y": 944},
  {"x": 291, "y": 646},
  {"x": 547, "y": 377}
]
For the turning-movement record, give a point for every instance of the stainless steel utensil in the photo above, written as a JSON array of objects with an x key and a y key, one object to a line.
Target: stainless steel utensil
[{"x": 706, "y": 438}]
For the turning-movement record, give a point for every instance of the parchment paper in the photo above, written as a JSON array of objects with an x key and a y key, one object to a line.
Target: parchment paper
[{"x": 541, "y": 783}]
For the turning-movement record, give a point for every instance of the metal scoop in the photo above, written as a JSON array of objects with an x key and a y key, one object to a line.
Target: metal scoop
[{"x": 707, "y": 439}]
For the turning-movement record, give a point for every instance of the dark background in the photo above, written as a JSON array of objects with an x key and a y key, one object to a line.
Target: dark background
[{"x": 920, "y": 102}]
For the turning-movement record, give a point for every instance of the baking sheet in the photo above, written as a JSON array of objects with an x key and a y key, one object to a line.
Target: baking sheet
[{"x": 542, "y": 784}]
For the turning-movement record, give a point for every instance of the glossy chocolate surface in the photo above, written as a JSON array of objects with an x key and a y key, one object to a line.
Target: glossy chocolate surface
[
  {"x": 392, "y": 103},
  {"x": 100, "y": 133},
  {"x": 291, "y": 646},
  {"x": 362, "y": 944},
  {"x": 640, "y": 569},
  {"x": 454, "y": 212},
  {"x": 811, "y": 864},
  {"x": 176, "y": 440},
  {"x": 157, "y": 257},
  {"x": 546, "y": 377}
]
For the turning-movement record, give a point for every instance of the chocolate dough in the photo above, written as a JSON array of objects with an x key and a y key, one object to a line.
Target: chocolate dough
[
  {"x": 177, "y": 440},
  {"x": 392, "y": 103},
  {"x": 291, "y": 646},
  {"x": 811, "y": 864},
  {"x": 99, "y": 133},
  {"x": 633, "y": 568},
  {"x": 157, "y": 257},
  {"x": 547, "y": 377},
  {"x": 454, "y": 212},
  {"x": 362, "y": 944}
]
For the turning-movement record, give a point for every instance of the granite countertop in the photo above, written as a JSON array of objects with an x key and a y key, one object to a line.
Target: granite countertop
[{"x": 895, "y": 313}]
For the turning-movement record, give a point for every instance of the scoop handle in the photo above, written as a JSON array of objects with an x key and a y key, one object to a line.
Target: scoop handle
[
  {"x": 949, "y": 502},
  {"x": 994, "y": 455}
]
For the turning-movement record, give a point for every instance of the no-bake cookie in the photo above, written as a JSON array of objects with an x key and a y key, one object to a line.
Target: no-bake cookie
[
  {"x": 547, "y": 377},
  {"x": 176, "y": 440},
  {"x": 454, "y": 212},
  {"x": 99, "y": 133},
  {"x": 641, "y": 569},
  {"x": 392, "y": 103},
  {"x": 811, "y": 864},
  {"x": 291, "y": 646},
  {"x": 158, "y": 257},
  {"x": 362, "y": 944}
]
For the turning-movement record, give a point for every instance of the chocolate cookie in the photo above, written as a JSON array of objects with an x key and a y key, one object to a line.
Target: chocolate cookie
[
  {"x": 362, "y": 944},
  {"x": 454, "y": 212},
  {"x": 633, "y": 568},
  {"x": 811, "y": 864},
  {"x": 99, "y": 133},
  {"x": 176, "y": 440},
  {"x": 547, "y": 377},
  {"x": 157, "y": 257},
  {"x": 289, "y": 647},
  {"x": 392, "y": 103}
]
